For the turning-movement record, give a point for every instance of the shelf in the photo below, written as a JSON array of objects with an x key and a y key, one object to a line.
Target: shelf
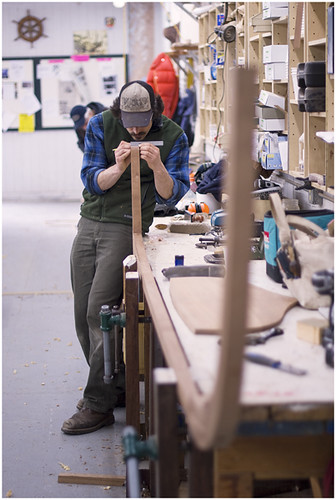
[
  {"x": 254, "y": 39},
  {"x": 315, "y": 43},
  {"x": 282, "y": 82},
  {"x": 304, "y": 146},
  {"x": 281, "y": 20},
  {"x": 321, "y": 114}
]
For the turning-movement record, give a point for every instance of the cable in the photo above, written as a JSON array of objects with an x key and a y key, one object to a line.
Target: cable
[{"x": 220, "y": 101}]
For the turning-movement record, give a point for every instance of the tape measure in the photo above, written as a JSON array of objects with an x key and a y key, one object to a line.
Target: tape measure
[{"x": 198, "y": 208}]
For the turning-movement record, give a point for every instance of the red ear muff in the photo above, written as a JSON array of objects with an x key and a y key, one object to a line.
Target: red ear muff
[{"x": 198, "y": 208}]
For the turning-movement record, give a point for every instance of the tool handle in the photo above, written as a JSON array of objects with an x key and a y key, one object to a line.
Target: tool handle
[
  {"x": 274, "y": 332},
  {"x": 262, "y": 359}
]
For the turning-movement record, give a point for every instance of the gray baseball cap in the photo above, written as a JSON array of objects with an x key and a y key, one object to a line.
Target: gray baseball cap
[{"x": 136, "y": 104}]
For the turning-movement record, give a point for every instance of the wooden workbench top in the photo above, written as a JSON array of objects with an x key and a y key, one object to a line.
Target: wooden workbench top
[{"x": 260, "y": 385}]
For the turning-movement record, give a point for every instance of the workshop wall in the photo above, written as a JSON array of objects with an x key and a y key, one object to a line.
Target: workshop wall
[{"x": 45, "y": 164}]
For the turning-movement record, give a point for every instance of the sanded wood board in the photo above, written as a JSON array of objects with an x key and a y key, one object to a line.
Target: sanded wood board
[
  {"x": 98, "y": 479},
  {"x": 199, "y": 301}
]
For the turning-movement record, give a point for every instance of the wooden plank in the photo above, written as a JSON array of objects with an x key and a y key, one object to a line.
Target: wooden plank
[
  {"x": 212, "y": 419},
  {"x": 276, "y": 457},
  {"x": 132, "y": 350},
  {"x": 98, "y": 479},
  {"x": 166, "y": 432},
  {"x": 204, "y": 316},
  {"x": 298, "y": 24},
  {"x": 200, "y": 473},
  {"x": 136, "y": 190}
]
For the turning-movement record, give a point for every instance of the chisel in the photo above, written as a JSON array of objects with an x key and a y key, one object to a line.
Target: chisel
[
  {"x": 260, "y": 338},
  {"x": 273, "y": 363}
]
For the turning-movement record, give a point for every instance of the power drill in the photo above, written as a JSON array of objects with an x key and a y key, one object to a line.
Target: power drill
[{"x": 323, "y": 282}]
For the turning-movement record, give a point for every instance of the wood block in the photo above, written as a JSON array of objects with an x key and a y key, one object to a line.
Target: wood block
[
  {"x": 98, "y": 479},
  {"x": 310, "y": 330}
]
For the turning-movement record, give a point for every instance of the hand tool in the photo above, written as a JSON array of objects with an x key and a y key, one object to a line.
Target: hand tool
[
  {"x": 261, "y": 338},
  {"x": 135, "y": 143},
  {"x": 273, "y": 363},
  {"x": 155, "y": 143},
  {"x": 182, "y": 271}
]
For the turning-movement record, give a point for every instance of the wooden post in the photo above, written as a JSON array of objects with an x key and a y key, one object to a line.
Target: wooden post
[
  {"x": 200, "y": 475},
  {"x": 132, "y": 350},
  {"x": 166, "y": 431}
]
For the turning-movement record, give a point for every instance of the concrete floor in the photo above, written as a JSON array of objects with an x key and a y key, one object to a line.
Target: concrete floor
[{"x": 44, "y": 370}]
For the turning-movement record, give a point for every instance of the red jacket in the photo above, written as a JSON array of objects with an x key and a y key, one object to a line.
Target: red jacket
[{"x": 164, "y": 81}]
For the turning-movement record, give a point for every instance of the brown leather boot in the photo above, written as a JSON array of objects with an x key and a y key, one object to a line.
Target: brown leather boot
[{"x": 87, "y": 420}]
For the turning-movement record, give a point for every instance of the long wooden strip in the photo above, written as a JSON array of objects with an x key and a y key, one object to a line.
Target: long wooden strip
[
  {"x": 99, "y": 479},
  {"x": 136, "y": 190},
  {"x": 212, "y": 419},
  {"x": 298, "y": 25}
]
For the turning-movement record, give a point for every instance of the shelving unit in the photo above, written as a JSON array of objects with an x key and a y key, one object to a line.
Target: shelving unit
[{"x": 305, "y": 31}]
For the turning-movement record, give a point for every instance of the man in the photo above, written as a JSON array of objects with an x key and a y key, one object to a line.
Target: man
[
  {"x": 81, "y": 116},
  {"x": 104, "y": 237}
]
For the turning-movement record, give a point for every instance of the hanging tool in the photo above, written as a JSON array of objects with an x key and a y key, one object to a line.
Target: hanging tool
[
  {"x": 273, "y": 363},
  {"x": 261, "y": 338}
]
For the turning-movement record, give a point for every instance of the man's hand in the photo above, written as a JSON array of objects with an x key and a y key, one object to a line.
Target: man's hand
[
  {"x": 163, "y": 182},
  {"x": 107, "y": 178},
  {"x": 123, "y": 155},
  {"x": 151, "y": 154}
]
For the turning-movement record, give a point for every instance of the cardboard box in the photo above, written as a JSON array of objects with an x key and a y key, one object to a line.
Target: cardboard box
[
  {"x": 268, "y": 113},
  {"x": 267, "y": 5},
  {"x": 283, "y": 150},
  {"x": 276, "y": 71},
  {"x": 272, "y": 10},
  {"x": 275, "y": 53},
  {"x": 272, "y": 125},
  {"x": 269, "y": 99}
]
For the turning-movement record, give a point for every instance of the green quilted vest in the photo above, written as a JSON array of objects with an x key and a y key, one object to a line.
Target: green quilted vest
[{"x": 116, "y": 204}]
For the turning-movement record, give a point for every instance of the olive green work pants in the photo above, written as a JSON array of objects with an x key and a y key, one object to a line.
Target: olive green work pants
[{"x": 97, "y": 255}]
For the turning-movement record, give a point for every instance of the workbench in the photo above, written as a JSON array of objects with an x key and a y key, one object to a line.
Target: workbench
[{"x": 285, "y": 429}]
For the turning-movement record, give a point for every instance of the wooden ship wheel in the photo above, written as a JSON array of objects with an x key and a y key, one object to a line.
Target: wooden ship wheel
[{"x": 30, "y": 28}]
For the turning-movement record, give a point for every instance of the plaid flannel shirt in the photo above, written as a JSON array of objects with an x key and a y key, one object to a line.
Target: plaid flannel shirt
[{"x": 95, "y": 161}]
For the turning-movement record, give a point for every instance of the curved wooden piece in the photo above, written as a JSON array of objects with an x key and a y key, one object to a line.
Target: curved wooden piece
[
  {"x": 204, "y": 317},
  {"x": 212, "y": 418}
]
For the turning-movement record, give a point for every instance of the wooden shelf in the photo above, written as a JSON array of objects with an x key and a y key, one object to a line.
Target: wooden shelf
[
  {"x": 248, "y": 50},
  {"x": 254, "y": 39},
  {"x": 313, "y": 43}
]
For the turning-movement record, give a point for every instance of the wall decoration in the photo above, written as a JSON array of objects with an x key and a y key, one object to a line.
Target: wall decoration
[
  {"x": 30, "y": 28},
  {"x": 90, "y": 42},
  {"x": 109, "y": 22}
]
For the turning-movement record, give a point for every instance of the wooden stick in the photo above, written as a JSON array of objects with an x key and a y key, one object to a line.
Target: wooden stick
[
  {"x": 136, "y": 190},
  {"x": 99, "y": 479},
  {"x": 298, "y": 23},
  {"x": 212, "y": 418}
]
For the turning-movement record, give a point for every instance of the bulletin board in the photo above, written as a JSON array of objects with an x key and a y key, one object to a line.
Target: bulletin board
[
  {"x": 17, "y": 91},
  {"x": 66, "y": 82},
  {"x": 43, "y": 91}
]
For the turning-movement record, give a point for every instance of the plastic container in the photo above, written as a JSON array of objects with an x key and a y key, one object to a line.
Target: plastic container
[
  {"x": 314, "y": 74},
  {"x": 315, "y": 99}
]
